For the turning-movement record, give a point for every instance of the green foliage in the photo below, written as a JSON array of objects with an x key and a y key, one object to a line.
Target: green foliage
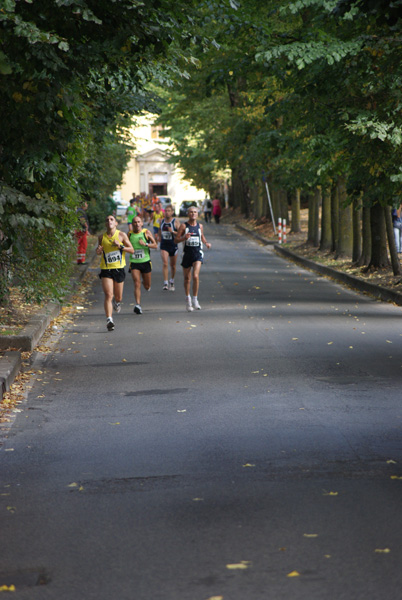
[
  {"x": 73, "y": 73},
  {"x": 36, "y": 245}
]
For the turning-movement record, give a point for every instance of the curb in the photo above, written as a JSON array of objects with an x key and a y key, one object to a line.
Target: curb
[
  {"x": 10, "y": 362},
  {"x": 10, "y": 366}
]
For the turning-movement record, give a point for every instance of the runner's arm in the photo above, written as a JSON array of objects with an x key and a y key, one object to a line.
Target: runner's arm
[
  {"x": 151, "y": 241},
  {"x": 204, "y": 241},
  {"x": 125, "y": 243},
  {"x": 181, "y": 235},
  {"x": 99, "y": 249}
]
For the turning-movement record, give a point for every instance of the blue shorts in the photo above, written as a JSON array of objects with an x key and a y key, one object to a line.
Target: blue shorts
[
  {"x": 172, "y": 250},
  {"x": 190, "y": 259}
]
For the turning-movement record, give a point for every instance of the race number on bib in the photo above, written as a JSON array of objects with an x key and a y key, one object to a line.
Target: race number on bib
[
  {"x": 138, "y": 254},
  {"x": 193, "y": 241},
  {"x": 113, "y": 257},
  {"x": 166, "y": 235}
]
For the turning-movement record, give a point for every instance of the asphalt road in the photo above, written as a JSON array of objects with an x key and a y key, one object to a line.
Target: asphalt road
[{"x": 247, "y": 451}]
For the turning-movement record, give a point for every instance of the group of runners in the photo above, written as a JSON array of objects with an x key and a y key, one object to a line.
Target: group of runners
[{"x": 114, "y": 244}]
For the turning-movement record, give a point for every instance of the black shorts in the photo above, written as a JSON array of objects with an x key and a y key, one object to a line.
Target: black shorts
[
  {"x": 118, "y": 275},
  {"x": 190, "y": 259},
  {"x": 171, "y": 250},
  {"x": 143, "y": 267}
]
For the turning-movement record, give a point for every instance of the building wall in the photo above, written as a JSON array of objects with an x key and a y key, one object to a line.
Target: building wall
[{"x": 149, "y": 167}]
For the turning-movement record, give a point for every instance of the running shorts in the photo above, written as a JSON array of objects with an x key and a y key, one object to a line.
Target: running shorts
[
  {"x": 118, "y": 275},
  {"x": 144, "y": 267}
]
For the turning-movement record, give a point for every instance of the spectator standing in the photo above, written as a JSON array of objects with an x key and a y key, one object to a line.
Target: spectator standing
[
  {"x": 81, "y": 233},
  {"x": 207, "y": 208},
  {"x": 216, "y": 209}
]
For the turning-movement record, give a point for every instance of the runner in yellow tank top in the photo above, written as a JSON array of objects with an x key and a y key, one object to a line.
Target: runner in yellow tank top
[{"x": 112, "y": 247}]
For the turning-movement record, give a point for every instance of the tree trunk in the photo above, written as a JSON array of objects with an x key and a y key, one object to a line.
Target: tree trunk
[
  {"x": 256, "y": 201},
  {"x": 275, "y": 203},
  {"x": 236, "y": 191},
  {"x": 296, "y": 227},
  {"x": 284, "y": 205},
  {"x": 326, "y": 229},
  {"x": 365, "y": 256},
  {"x": 357, "y": 230},
  {"x": 345, "y": 244},
  {"x": 396, "y": 265},
  {"x": 317, "y": 204},
  {"x": 310, "y": 225},
  {"x": 335, "y": 218},
  {"x": 379, "y": 254}
]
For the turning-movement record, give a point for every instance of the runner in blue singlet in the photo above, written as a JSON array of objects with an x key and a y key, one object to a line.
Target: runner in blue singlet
[
  {"x": 169, "y": 248},
  {"x": 191, "y": 233}
]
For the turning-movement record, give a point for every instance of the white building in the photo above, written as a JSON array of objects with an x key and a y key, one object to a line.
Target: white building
[{"x": 150, "y": 172}]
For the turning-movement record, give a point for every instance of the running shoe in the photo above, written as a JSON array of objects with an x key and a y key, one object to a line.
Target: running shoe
[
  {"x": 165, "y": 287},
  {"x": 110, "y": 324},
  {"x": 116, "y": 305},
  {"x": 171, "y": 286},
  {"x": 189, "y": 307},
  {"x": 196, "y": 304},
  {"x": 138, "y": 309}
]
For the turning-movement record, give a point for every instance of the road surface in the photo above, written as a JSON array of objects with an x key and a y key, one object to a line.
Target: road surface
[{"x": 248, "y": 451}]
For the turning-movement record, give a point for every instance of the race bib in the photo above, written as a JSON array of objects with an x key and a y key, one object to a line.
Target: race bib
[
  {"x": 166, "y": 235},
  {"x": 113, "y": 257},
  {"x": 193, "y": 241},
  {"x": 138, "y": 254}
]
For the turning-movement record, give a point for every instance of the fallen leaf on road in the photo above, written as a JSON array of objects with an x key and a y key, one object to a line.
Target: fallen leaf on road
[
  {"x": 7, "y": 588},
  {"x": 114, "y": 423},
  {"x": 74, "y": 484},
  {"x": 391, "y": 462},
  {"x": 395, "y": 477},
  {"x": 382, "y": 550},
  {"x": 330, "y": 493},
  {"x": 329, "y": 343},
  {"x": 294, "y": 339},
  {"x": 244, "y": 564},
  {"x": 182, "y": 410},
  {"x": 310, "y": 535},
  {"x": 248, "y": 465},
  {"x": 215, "y": 598},
  {"x": 11, "y": 509},
  {"x": 293, "y": 574}
]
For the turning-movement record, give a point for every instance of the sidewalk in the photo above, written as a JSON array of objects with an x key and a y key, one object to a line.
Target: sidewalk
[{"x": 26, "y": 341}]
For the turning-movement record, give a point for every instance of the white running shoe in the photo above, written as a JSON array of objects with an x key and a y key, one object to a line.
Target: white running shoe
[
  {"x": 138, "y": 309},
  {"x": 189, "y": 307},
  {"x": 165, "y": 287},
  {"x": 116, "y": 305},
  {"x": 196, "y": 304},
  {"x": 171, "y": 286},
  {"x": 110, "y": 324}
]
